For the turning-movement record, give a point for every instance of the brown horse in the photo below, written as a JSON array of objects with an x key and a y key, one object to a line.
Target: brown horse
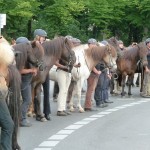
[
  {"x": 23, "y": 53},
  {"x": 127, "y": 63},
  {"x": 59, "y": 48}
]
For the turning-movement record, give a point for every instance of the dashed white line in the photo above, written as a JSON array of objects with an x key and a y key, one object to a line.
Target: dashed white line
[
  {"x": 62, "y": 134},
  {"x": 74, "y": 127},
  {"x": 49, "y": 143},
  {"x": 57, "y": 137}
]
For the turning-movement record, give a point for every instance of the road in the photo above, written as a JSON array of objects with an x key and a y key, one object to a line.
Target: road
[{"x": 123, "y": 125}]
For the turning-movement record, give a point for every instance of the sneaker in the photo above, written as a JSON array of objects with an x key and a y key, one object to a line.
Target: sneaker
[
  {"x": 48, "y": 117},
  {"x": 61, "y": 113},
  {"x": 25, "y": 123},
  {"x": 68, "y": 113}
]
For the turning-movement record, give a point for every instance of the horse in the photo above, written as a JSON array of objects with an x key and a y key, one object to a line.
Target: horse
[
  {"x": 127, "y": 62},
  {"x": 56, "y": 49},
  {"x": 23, "y": 53},
  {"x": 13, "y": 81},
  {"x": 88, "y": 58}
]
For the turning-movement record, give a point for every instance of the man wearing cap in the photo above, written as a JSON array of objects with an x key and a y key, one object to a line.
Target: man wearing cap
[
  {"x": 146, "y": 82},
  {"x": 121, "y": 45},
  {"x": 40, "y": 35},
  {"x": 26, "y": 76},
  {"x": 91, "y": 81}
]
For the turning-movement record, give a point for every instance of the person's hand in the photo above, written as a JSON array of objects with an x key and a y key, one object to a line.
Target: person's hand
[
  {"x": 34, "y": 71},
  {"x": 109, "y": 76},
  {"x": 147, "y": 70},
  {"x": 98, "y": 72},
  {"x": 77, "y": 65}
]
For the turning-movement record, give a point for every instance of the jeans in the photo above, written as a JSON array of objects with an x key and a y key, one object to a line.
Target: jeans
[
  {"x": 46, "y": 109},
  {"x": 7, "y": 126},
  {"x": 26, "y": 94}
]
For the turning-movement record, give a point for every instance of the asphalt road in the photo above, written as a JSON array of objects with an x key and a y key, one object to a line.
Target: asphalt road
[{"x": 123, "y": 125}]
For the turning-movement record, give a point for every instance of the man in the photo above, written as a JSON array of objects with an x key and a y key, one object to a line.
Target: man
[
  {"x": 121, "y": 45},
  {"x": 146, "y": 83},
  {"x": 91, "y": 81},
  {"x": 40, "y": 35},
  {"x": 26, "y": 77}
]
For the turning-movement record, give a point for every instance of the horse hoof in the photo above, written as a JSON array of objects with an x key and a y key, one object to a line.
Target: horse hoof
[
  {"x": 29, "y": 114},
  {"x": 41, "y": 118},
  {"x": 71, "y": 109},
  {"x": 81, "y": 110}
]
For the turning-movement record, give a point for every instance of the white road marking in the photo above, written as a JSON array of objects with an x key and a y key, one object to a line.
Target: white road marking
[
  {"x": 42, "y": 149},
  {"x": 82, "y": 122},
  {"x": 104, "y": 113},
  {"x": 97, "y": 116},
  {"x": 114, "y": 109},
  {"x": 62, "y": 134},
  {"x": 57, "y": 137},
  {"x": 74, "y": 127},
  {"x": 65, "y": 132},
  {"x": 90, "y": 119},
  {"x": 49, "y": 143}
]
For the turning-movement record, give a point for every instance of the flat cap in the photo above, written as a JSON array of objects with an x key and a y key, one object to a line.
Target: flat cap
[
  {"x": 21, "y": 40},
  {"x": 147, "y": 41},
  {"x": 92, "y": 41}
]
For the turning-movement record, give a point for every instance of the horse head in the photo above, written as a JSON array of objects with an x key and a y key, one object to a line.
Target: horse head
[
  {"x": 143, "y": 51},
  {"x": 110, "y": 57},
  {"x": 25, "y": 54}
]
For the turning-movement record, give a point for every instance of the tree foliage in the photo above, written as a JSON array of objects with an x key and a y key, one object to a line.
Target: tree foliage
[{"x": 100, "y": 19}]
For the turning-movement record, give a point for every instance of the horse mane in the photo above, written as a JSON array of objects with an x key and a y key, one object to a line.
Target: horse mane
[
  {"x": 38, "y": 49},
  {"x": 56, "y": 46},
  {"x": 132, "y": 52},
  {"x": 21, "y": 54},
  {"x": 6, "y": 53},
  {"x": 100, "y": 51}
]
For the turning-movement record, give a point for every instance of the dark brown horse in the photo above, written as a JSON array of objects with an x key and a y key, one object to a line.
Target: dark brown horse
[
  {"x": 127, "y": 63},
  {"x": 23, "y": 53},
  {"x": 60, "y": 48},
  {"x": 13, "y": 101}
]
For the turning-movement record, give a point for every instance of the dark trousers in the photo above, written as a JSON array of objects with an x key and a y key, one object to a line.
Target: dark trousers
[
  {"x": 26, "y": 94},
  {"x": 7, "y": 126},
  {"x": 46, "y": 105},
  {"x": 56, "y": 90},
  {"x": 101, "y": 90}
]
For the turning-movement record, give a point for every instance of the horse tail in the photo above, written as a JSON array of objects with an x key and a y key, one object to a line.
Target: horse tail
[{"x": 14, "y": 100}]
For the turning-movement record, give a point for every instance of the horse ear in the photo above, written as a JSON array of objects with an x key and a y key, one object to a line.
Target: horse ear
[{"x": 33, "y": 44}]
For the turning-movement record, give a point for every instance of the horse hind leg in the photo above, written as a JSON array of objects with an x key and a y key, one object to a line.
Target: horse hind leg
[{"x": 31, "y": 112}]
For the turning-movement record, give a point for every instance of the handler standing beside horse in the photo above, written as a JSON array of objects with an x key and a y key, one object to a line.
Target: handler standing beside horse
[
  {"x": 91, "y": 81},
  {"x": 146, "y": 82},
  {"x": 6, "y": 122},
  {"x": 26, "y": 77},
  {"x": 40, "y": 36}
]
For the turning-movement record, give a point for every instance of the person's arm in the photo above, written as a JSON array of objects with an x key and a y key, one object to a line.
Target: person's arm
[
  {"x": 96, "y": 71},
  {"x": 60, "y": 65},
  {"x": 146, "y": 69},
  {"x": 26, "y": 71}
]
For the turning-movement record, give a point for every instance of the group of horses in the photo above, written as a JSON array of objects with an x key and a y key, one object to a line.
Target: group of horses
[{"x": 44, "y": 57}]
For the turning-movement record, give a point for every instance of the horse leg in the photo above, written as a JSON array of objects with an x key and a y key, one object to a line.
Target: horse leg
[
  {"x": 31, "y": 112},
  {"x": 70, "y": 95},
  {"x": 130, "y": 81},
  {"x": 123, "y": 85},
  {"x": 112, "y": 85},
  {"x": 142, "y": 79},
  {"x": 78, "y": 90},
  {"x": 37, "y": 105}
]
